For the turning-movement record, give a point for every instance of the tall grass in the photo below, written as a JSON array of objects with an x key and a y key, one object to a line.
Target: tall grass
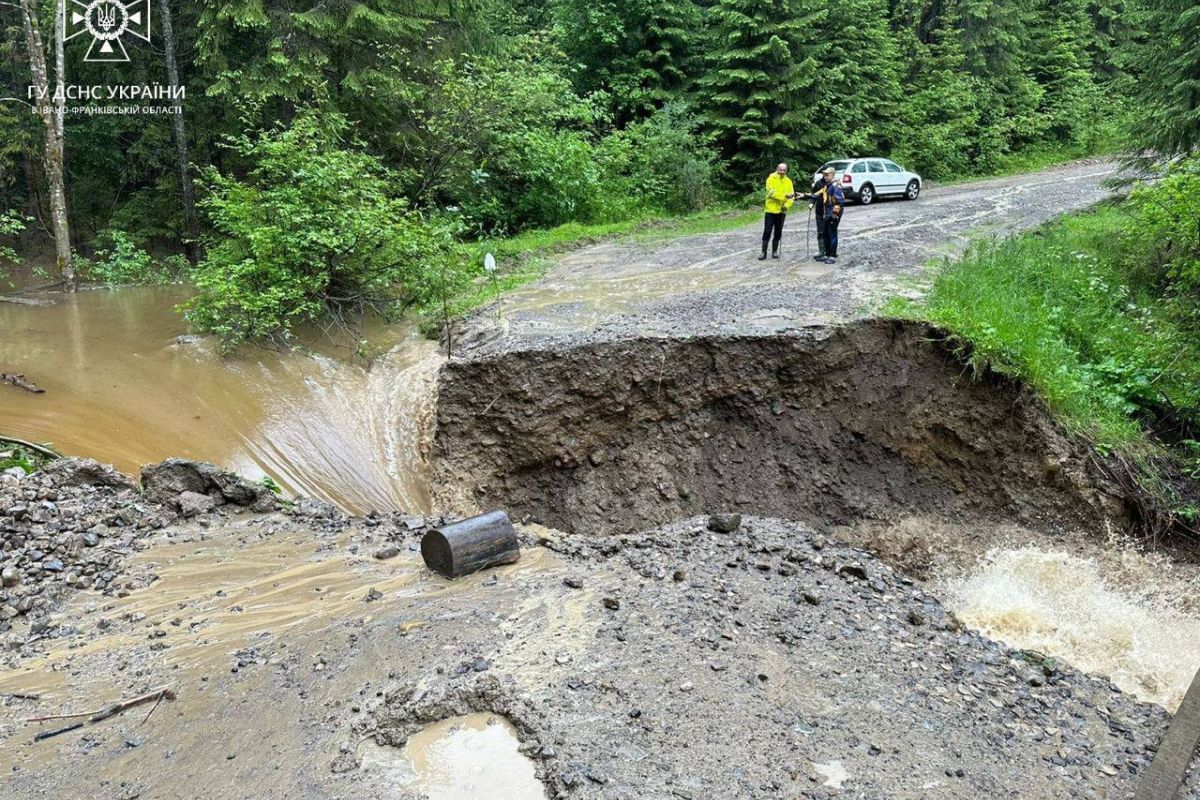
[{"x": 1071, "y": 310}]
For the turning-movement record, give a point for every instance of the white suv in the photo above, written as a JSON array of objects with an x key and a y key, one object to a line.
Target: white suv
[{"x": 864, "y": 179}]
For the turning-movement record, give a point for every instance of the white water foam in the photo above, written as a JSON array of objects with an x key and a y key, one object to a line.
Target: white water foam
[{"x": 1063, "y": 606}]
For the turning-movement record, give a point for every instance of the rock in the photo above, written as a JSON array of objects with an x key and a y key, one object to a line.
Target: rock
[
  {"x": 612, "y": 603},
  {"x": 915, "y": 617},
  {"x": 52, "y": 565},
  {"x": 812, "y": 598},
  {"x": 384, "y": 553},
  {"x": 481, "y": 664},
  {"x": 163, "y": 482},
  {"x": 724, "y": 523},
  {"x": 10, "y": 576},
  {"x": 193, "y": 504},
  {"x": 573, "y": 583},
  {"x": 13, "y": 473},
  {"x": 373, "y": 594},
  {"x": 855, "y": 570},
  {"x": 84, "y": 472}
]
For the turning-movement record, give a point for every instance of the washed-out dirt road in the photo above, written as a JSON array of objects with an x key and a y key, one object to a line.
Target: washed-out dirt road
[
  {"x": 733, "y": 517},
  {"x": 713, "y": 284}
]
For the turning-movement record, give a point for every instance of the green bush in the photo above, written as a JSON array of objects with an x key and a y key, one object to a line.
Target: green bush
[
  {"x": 121, "y": 261},
  {"x": 309, "y": 232},
  {"x": 1168, "y": 231},
  {"x": 657, "y": 165},
  {"x": 509, "y": 145},
  {"x": 11, "y": 224}
]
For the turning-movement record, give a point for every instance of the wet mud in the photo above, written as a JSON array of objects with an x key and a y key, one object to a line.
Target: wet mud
[
  {"x": 908, "y": 570},
  {"x": 868, "y": 420}
]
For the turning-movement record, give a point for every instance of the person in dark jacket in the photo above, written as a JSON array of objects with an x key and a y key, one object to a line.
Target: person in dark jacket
[
  {"x": 812, "y": 205},
  {"x": 828, "y": 201}
]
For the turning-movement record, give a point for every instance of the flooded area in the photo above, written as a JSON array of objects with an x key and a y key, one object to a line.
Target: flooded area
[
  {"x": 1070, "y": 607},
  {"x": 462, "y": 758},
  {"x": 122, "y": 387}
]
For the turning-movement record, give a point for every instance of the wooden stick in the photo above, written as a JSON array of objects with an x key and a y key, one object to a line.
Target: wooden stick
[
  {"x": 114, "y": 708},
  {"x": 56, "y": 732}
]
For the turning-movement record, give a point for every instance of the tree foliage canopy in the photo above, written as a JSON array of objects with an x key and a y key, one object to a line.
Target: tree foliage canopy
[{"x": 492, "y": 116}]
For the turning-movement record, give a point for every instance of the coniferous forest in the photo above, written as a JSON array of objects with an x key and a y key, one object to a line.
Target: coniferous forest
[{"x": 387, "y": 132}]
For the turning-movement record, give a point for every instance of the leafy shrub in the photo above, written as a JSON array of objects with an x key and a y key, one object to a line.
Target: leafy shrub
[
  {"x": 310, "y": 232},
  {"x": 657, "y": 165},
  {"x": 1168, "y": 227},
  {"x": 11, "y": 224},
  {"x": 120, "y": 260}
]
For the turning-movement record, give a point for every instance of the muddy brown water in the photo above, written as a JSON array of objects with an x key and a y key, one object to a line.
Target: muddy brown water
[
  {"x": 121, "y": 388},
  {"x": 461, "y": 758}
]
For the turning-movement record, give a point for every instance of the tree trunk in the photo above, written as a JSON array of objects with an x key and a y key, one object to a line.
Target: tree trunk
[
  {"x": 179, "y": 129},
  {"x": 50, "y": 109},
  {"x": 470, "y": 545}
]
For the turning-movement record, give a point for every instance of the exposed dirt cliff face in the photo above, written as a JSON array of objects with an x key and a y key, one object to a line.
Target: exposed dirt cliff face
[{"x": 863, "y": 421}]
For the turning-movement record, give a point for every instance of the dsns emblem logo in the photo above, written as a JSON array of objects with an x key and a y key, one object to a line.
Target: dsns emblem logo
[{"x": 106, "y": 21}]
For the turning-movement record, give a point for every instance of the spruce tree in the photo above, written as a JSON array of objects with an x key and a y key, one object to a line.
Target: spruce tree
[
  {"x": 1070, "y": 100},
  {"x": 640, "y": 53},
  {"x": 762, "y": 82},
  {"x": 1167, "y": 89},
  {"x": 859, "y": 92},
  {"x": 939, "y": 122}
]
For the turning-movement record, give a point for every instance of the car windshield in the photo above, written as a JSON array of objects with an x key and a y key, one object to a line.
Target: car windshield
[{"x": 838, "y": 165}]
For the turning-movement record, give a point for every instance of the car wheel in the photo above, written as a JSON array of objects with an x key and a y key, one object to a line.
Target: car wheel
[
  {"x": 866, "y": 195},
  {"x": 913, "y": 190}
]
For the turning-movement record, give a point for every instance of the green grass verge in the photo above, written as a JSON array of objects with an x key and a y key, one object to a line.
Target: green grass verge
[
  {"x": 1067, "y": 309},
  {"x": 1024, "y": 161}
]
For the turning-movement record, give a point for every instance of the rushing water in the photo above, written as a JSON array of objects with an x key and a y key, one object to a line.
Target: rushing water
[
  {"x": 1067, "y": 606},
  {"x": 121, "y": 388}
]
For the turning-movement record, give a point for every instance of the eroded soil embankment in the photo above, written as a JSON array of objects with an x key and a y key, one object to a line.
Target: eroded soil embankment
[{"x": 861, "y": 421}]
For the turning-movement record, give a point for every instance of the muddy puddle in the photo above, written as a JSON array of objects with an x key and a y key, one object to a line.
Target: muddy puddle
[
  {"x": 461, "y": 758},
  {"x": 121, "y": 388},
  {"x": 1126, "y": 620}
]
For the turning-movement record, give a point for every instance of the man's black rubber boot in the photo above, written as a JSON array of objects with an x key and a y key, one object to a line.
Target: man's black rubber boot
[
  {"x": 763, "y": 257},
  {"x": 774, "y": 254}
]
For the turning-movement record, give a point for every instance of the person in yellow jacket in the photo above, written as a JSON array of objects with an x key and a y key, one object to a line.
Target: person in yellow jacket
[{"x": 780, "y": 196}]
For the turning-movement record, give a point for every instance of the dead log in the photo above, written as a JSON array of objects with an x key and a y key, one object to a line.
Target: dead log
[
  {"x": 18, "y": 380},
  {"x": 471, "y": 545},
  {"x": 1164, "y": 776}
]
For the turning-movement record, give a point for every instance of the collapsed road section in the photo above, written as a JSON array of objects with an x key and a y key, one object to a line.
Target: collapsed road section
[
  {"x": 683, "y": 623},
  {"x": 832, "y": 425}
]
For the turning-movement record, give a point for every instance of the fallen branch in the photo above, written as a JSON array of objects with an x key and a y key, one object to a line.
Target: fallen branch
[
  {"x": 37, "y": 448},
  {"x": 18, "y": 380},
  {"x": 111, "y": 710},
  {"x": 57, "y": 731}
]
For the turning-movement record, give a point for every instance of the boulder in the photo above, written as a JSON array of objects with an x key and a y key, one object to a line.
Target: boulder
[
  {"x": 85, "y": 472},
  {"x": 166, "y": 481},
  {"x": 193, "y": 504}
]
